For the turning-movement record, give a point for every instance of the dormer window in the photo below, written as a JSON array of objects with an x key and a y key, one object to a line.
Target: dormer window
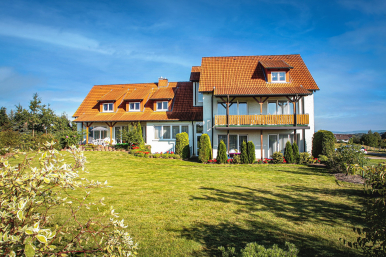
[
  {"x": 278, "y": 76},
  {"x": 162, "y": 106},
  {"x": 134, "y": 107},
  {"x": 109, "y": 107}
]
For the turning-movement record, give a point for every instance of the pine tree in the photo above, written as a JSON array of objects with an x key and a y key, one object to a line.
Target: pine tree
[
  {"x": 296, "y": 154},
  {"x": 205, "y": 149},
  {"x": 251, "y": 152},
  {"x": 288, "y": 154},
  {"x": 222, "y": 153},
  {"x": 244, "y": 153}
]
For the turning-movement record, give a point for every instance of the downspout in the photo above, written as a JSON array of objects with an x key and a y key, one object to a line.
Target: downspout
[
  {"x": 212, "y": 121},
  {"x": 193, "y": 138}
]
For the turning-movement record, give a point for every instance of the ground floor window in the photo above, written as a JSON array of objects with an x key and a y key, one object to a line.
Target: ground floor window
[
  {"x": 169, "y": 132},
  {"x": 277, "y": 142},
  {"x": 235, "y": 141}
]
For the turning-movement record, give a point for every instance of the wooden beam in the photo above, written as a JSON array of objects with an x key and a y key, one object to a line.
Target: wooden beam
[{"x": 261, "y": 143}]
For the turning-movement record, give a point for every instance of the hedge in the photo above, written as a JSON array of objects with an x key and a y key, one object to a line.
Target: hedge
[
  {"x": 251, "y": 152},
  {"x": 222, "y": 153},
  {"x": 205, "y": 149},
  {"x": 182, "y": 145},
  {"x": 323, "y": 143}
]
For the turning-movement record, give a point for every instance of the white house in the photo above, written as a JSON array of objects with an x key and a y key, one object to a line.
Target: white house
[{"x": 265, "y": 99}]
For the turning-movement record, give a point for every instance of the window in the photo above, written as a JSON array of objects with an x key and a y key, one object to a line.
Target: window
[
  {"x": 164, "y": 132},
  {"x": 134, "y": 107},
  {"x": 162, "y": 106},
  {"x": 235, "y": 141},
  {"x": 237, "y": 108},
  {"x": 157, "y": 132},
  {"x": 278, "y": 76},
  {"x": 282, "y": 107},
  {"x": 199, "y": 128},
  {"x": 109, "y": 107}
]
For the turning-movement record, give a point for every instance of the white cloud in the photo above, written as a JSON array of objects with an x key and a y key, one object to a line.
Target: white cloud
[{"x": 50, "y": 35}]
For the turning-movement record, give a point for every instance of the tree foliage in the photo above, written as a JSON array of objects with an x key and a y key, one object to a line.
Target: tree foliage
[
  {"x": 288, "y": 153},
  {"x": 323, "y": 143},
  {"x": 31, "y": 195},
  {"x": 133, "y": 134},
  {"x": 371, "y": 139},
  {"x": 205, "y": 149},
  {"x": 251, "y": 152},
  {"x": 344, "y": 157},
  {"x": 182, "y": 145},
  {"x": 296, "y": 154},
  {"x": 222, "y": 156},
  {"x": 244, "y": 153}
]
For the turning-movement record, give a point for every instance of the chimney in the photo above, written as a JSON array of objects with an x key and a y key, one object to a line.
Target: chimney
[{"x": 162, "y": 82}]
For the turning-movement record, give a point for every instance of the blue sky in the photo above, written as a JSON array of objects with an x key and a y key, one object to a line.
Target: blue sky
[{"x": 60, "y": 49}]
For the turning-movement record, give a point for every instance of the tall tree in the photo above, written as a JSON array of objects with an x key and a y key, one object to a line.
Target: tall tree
[
  {"x": 5, "y": 123},
  {"x": 35, "y": 112}
]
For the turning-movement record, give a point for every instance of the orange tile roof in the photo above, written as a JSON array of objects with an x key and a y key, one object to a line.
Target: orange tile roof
[
  {"x": 243, "y": 75},
  {"x": 278, "y": 64},
  {"x": 182, "y": 106},
  {"x": 164, "y": 92},
  {"x": 195, "y": 73},
  {"x": 114, "y": 94},
  {"x": 139, "y": 93}
]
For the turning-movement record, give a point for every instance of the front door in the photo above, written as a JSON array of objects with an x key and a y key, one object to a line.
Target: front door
[{"x": 199, "y": 130}]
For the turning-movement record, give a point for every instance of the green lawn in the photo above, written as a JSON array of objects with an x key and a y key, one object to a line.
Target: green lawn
[{"x": 180, "y": 208}]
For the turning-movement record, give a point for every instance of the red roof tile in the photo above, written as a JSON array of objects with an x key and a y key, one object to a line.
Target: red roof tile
[
  {"x": 182, "y": 105},
  {"x": 275, "y": 64},
  {"x": 114, "y": 94},
  {"x": 243, "y": 75},
  {"x": 164, "y": 92},
  {"x": 195, "y": 73}
]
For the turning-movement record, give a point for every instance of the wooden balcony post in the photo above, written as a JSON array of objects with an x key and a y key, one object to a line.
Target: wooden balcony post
[
  {"x": 111, "y": 125},
  {"x": 88, "y": 125},
  {"x": 228, "y": 123},
  {"x": 261, "y": 143}
]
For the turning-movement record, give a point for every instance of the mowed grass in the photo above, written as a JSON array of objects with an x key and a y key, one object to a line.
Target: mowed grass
[{"x": 181, "y": 208}]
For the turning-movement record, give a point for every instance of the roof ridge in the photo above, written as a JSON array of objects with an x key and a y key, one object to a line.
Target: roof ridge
[{"x": 230, "y": 56}]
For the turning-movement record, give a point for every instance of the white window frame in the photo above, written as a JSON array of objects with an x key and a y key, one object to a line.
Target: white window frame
[
  {"x": 135, "y": 110},
  {"x": 108, "y": 109},
  {"x": 278, "y": 77},
  {"x": 289, "y": 110},
  {"x": 171, "y": 130},
  {"x": 238, "y": 139},
  {"x": 238, "y": 110},
  {"x": 162, "y": 103}
]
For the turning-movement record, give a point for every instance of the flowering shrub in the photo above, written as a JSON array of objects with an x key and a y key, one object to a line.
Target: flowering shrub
[
  {"x": 30, "y": 196},
  {"x": 229, "y": 160}
]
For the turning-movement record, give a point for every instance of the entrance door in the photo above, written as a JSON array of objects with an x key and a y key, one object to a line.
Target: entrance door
[
  {"x": 199, "y": 130},
  {"x": 273, "y": 142}
]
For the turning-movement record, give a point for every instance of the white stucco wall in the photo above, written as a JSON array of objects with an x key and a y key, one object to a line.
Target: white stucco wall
[
  {"x": 164, "y": 145},
  {"x": 309, "y": 109}
]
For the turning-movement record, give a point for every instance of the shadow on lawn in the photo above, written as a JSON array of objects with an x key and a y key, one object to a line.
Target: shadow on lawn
[
  {"x": 305, "y": 170},
  {"x": 232, "y": 235},
  {"x": 297, "y": 204}
]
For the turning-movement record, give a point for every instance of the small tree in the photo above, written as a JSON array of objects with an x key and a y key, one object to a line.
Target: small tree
[
  {"x": 323, "y": 142},
  {"x": 222, "y": 153},
  {"x": 296, "y": 153},
  {"x": 288, "y": 154},
  {"x": 251, "y": 152},
  {"x": 182, "y": 145},
  {"x": 205, "y": 149},
  {"x": 244, "y": 153}
]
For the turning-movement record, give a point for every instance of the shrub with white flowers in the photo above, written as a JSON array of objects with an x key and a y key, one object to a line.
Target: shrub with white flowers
[{"x": 30, "y": 197}]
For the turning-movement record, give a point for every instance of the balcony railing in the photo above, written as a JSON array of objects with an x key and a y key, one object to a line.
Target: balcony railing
[{"x": 256, "y": 120}]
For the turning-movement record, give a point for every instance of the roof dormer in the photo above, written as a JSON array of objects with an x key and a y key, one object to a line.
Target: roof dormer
[{"x": 276, "y": 71}]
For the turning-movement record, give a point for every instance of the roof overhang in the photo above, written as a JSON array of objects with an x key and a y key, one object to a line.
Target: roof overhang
[{"x": 264, "y": 128}]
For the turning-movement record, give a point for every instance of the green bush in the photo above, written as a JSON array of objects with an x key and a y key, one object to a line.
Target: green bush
[
  {"x": 372, "y": 238},
  {"x": 251, "y": 152},
  {"x": 205, "y": 149},
  {"x": 323, "y": 142},
  {"x": 277, "y": 157},
  {"x": 305, "y": 158},
  {"x": 295, "y": 150},
  {"x": 256, "y": 250},
  {"x": 222, "y": 153},
  {"x": 244, "y": 153},
  {"x": 123, "y": 146},
  {"x": 182, "y": 145},
  {"x": 156, "y": 155},
  {"x": 236, "y": 159},
  {"x": 344, "y": 157},
  {"x": 27, "y": 224},
  {"x": 288, "y": 154},
  {"x": 68, "y": 137}
]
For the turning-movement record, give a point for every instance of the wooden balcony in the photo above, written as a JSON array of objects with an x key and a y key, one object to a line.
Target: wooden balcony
[{"x": 262, "y": 120}]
